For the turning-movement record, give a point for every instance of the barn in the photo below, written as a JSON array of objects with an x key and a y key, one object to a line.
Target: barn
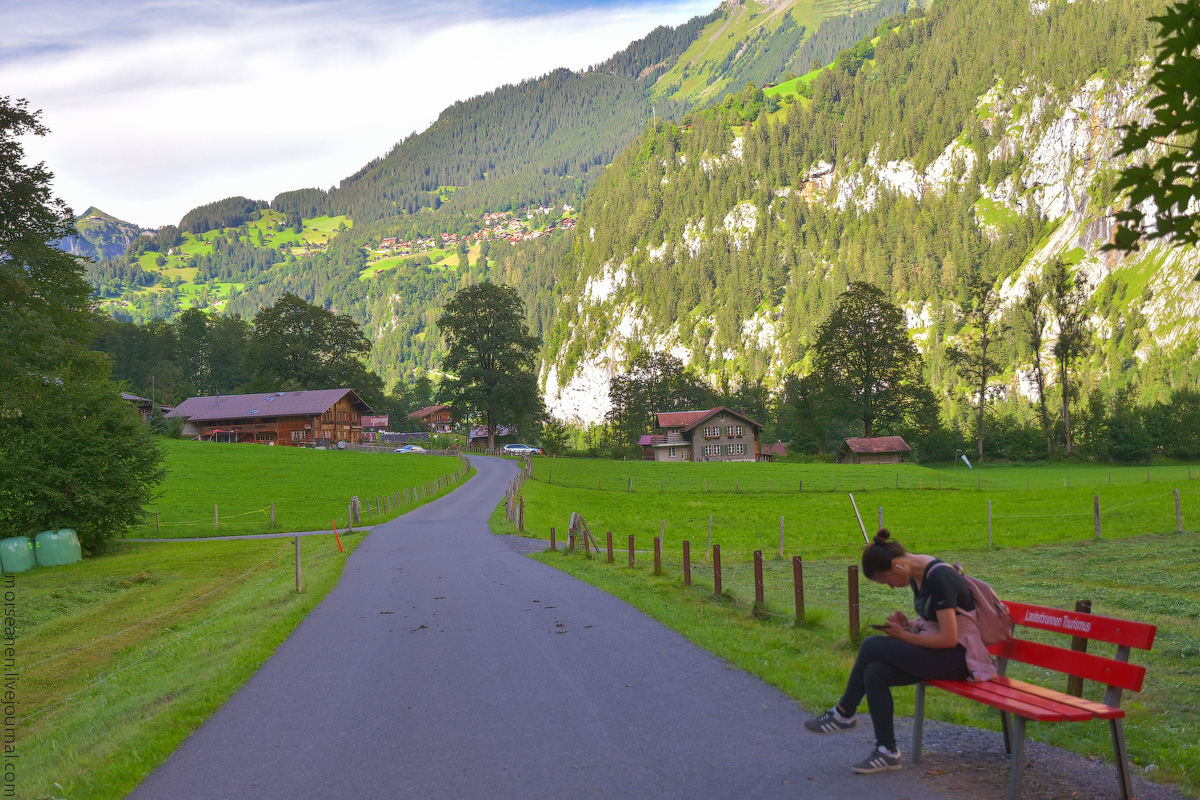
[{"x": 872, "y": 450}]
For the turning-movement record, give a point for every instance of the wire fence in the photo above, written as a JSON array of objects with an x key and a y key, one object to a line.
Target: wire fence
[{"x": 262, "y": 520}]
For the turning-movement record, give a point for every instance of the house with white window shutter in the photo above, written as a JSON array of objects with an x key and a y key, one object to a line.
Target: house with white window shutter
[{"x": 718, "y": 434}]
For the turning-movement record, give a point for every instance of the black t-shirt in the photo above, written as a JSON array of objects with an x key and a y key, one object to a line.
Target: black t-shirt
[{"x": 941, "y": 588}]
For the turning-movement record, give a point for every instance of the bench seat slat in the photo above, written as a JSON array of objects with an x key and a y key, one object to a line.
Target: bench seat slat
[
  {"x": 1089, "y": 626},
  {"x": 1069, "y": 712},
  {"x": 977, "y": 692},
  {"x": 1106, "y": 671},
  {"x": 1098, "y": 710}
]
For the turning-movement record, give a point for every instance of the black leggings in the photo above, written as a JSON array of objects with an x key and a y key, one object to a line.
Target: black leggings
[{"x": 884, "y": 662}]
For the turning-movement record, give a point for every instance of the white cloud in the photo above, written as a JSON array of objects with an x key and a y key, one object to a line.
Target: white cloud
[{"x": 157, "y": 107}]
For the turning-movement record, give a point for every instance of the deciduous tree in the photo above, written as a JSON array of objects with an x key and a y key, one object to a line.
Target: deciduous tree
[
  {"x": 72, "y": 452},
  {"x": 866, "y": 362},
  {"x": 489, "y": 361},
  {"x": 974, "y": 355}
]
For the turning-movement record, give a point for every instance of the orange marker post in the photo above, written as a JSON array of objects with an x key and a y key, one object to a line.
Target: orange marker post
[{"x": 335, "y": 535}]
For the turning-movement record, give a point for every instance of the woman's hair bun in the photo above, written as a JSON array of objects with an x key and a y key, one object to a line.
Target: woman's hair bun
[{"x": 882, "y": 536}]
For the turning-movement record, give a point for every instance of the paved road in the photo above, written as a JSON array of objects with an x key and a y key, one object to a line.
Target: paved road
[{"x": 444, "y": 665}]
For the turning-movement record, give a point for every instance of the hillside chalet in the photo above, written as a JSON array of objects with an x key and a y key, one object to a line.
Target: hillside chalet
[
  {"x": 320, "y": 418},
  {"x": 437, "y": 418},
  {"x": 718, "y": 434}
]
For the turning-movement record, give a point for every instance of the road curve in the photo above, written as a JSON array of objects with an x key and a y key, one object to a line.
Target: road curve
[{"x": 444, "y": 665}]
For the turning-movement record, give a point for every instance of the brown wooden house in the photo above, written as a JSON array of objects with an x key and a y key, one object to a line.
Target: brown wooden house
[
  {"x": 872, "y": 450},
  {"x": 321, "y": 417},
  {"x": 437, "y": 418}
]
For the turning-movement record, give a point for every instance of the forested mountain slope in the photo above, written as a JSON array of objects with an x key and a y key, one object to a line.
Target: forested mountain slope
[
  {"x": 542, "y": 141},
  {"x": 976, "y": 138}
]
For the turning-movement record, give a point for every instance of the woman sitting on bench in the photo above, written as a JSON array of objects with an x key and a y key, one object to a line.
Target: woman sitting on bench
[{"x": 929, "y": 648}]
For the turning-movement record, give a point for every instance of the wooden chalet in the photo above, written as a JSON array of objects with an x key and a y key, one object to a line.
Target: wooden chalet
[
  {"x": 718, "y": 434},
  {"x": 872, "y": 450},
  {"x": 320, "y": 418},
  {"x": 437, "y": 418}
]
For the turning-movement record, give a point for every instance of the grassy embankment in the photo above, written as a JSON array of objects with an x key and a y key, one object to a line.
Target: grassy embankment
[
  {"x": 122, "y": 656},
  {"x": 308, "y": 487},
  {"x": 1139, "y": 570}
]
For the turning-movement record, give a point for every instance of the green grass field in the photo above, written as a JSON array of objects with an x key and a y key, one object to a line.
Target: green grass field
[
  {"x": 933, "y": 508},
  {"x": 308, "y": 487},
  {"x": 1045, "y": 553}
]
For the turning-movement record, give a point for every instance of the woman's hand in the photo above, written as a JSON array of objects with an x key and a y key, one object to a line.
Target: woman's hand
[
  {"x": 895, "y": 629},
  {"x": 898, "y": 618}
]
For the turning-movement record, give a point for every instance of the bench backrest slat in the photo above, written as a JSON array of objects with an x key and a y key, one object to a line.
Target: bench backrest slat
[
  {"x": 1107, "y": 671},
  {"x": 1089, "y": 626}
]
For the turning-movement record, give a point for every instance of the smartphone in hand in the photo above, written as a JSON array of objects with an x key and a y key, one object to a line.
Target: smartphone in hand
[{"x": 879, "y": 627}]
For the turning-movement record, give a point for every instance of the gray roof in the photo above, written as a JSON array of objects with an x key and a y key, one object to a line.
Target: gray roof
[{"x": 268, "y": 404}]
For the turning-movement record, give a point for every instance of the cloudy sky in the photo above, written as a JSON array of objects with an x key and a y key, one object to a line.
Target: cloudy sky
[{"x": 157, "y": 106}]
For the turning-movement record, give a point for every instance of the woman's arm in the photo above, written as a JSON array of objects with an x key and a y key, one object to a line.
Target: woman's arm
[{"x": 947, "y": 635}]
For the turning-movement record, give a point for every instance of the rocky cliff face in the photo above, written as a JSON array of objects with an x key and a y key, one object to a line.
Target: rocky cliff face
[{"x": 1060, "y": 155}]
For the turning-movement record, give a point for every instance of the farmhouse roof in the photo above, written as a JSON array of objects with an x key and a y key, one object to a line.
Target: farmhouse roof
[
  {"x": 648, "y": 439},
  {"x": 877, "y": 444},
  {"x": 690, "y": 419},
  {"x": 268, "y": 404},
  {"x": 428, "y": 411}
]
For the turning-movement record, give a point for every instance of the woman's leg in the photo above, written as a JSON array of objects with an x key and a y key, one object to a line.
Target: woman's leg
[{"x": 884, "y": 662}]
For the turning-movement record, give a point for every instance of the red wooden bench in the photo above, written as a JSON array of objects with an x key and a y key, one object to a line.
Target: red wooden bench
[{"x": 1026, "y": 701}]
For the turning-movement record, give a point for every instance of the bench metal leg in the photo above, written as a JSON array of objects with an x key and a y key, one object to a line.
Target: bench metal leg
[
  {"x": 1018, "y": 757},
  {"x": 1004, "y": 725},
  {"x": 918, "y": 723},
  {"x": 1118, "y": 737}
]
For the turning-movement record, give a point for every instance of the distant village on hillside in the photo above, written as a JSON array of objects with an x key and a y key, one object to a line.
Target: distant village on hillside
[{"x": 501, "y": 225}]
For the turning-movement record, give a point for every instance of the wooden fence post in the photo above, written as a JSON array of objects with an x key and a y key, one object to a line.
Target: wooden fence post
[
  {"x": 657, "y": 556},
  {"x": 1079, "y": 645},
  {"x": 521, "y": 517},
  {"x": 629, "y": 488},
  {"x": 1178, "y": 514},
  {"x": 631, "y": 551},
  {"x": 798, "y": 587},
  {"x": 553, "y": 544},
  {"x": 687, "y": 563},
  {"x": 610, "y": 548},
  {"x": 760, "y": 600},
  {"x": 852, "y": 579},
  {"x": 157, "y": 524},
  {"x": 989, "y": 524},
  {"x": 708, "y": 548},
  {"x": 1096, "y": 512},
  {"x": 298, "y": 584},
  {"x": 717, "y": 570},
  {"x": 880, "y": 525},
  {"x": 272, "y": 514}
]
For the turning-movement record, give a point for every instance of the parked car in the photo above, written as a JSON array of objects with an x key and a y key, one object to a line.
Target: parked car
[
  {"x": 521, "y": 450},
  {"x": 409, "y": 448}
]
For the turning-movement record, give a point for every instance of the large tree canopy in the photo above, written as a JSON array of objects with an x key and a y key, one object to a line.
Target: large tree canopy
[
  {"x": 296, "y": 344},
  {"x": 72, "y": 452},
  {"x": 489, "y": 362},
  {"x": 865, "y": 361}
]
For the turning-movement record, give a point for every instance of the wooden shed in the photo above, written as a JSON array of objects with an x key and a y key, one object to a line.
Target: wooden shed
[{"x": 872, "y": 450}]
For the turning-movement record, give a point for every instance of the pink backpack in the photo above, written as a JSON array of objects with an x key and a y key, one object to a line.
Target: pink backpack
[{"x": 991, "y": 615}]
